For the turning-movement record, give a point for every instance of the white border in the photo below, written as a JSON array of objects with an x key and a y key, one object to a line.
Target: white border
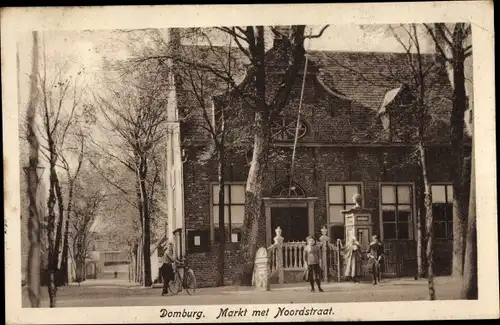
[{"x": 479, "y": 13}]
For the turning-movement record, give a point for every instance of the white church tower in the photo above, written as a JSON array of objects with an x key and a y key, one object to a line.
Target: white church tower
[{"x": 174, "y": 177}]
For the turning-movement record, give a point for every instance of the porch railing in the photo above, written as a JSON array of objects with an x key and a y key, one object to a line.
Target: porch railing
[
  {"x": 399, "y": 258},
  {"x": 288, "y": 256}
]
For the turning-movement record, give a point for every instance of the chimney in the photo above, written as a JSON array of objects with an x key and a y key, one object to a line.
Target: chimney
[
  {"x": 174, "y": 41},
  {"x": 281, "y": 34}
]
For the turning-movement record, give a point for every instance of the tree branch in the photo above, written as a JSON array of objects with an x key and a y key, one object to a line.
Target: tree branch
[{"x": 319, "y": 34}]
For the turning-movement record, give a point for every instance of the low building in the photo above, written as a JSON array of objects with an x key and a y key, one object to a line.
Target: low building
[{"x": 105, "y": 260}]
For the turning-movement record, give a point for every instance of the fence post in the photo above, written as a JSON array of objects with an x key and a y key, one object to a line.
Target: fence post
[
  {"x": 339, "y": 271},
  {"x": 324, "y": 239},
  {"x": 261, "y": 273},
  {"x": 325, "y": 261},
  {"x": 278, "y": 241}
]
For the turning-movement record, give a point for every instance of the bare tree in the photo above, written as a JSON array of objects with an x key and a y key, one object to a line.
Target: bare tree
[
  {"x": 71, "y": 178},
  {"x": 266, "y": 102},
  {"x": 60, "y": 97},
  {"x": 265, "y": 94},
  {"x": 417, "y": 121},
  {"x": 34, "y": 221},
  {"x": 122, "y": 199},
  {"x": 134, "y": 111},
  {"x": 88, "y": 199},
  {"x": 451, "y": 43}
]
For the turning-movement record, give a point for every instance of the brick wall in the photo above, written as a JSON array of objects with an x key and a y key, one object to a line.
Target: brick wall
[
  {"x": 206, "y": 266},
  {"x": 314, "y": 167}
]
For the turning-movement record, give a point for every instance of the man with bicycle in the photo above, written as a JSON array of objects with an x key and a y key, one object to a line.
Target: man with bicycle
[
  {"x": 167, "y": 268},
  {"x": 375, "y": 256}
]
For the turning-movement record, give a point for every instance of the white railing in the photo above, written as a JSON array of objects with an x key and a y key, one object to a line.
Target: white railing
[
  {"x": 289, "y": 256},
  {"x": 293, "y": 255}
]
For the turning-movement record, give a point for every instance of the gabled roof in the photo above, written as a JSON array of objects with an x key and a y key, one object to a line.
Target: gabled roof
[
  {"x": 366, "y": 77},
  {"x": 362, "y": 77}
]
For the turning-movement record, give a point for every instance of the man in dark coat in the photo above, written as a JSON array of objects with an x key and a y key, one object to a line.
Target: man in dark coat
[
  {"x": 167, "y": 270},
  {"x": 375, "y": 256}
]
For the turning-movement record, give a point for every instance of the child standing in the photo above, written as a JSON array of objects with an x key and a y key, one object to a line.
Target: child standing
[
  {"x": 375, "y": 255},
  {"x": 311, "y": 262}
]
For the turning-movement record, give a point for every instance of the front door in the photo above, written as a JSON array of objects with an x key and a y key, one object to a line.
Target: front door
[{"x": 292, "y": 221}]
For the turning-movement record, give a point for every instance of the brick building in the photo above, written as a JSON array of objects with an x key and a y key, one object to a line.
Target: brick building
[{"x": 348, "y": 143}]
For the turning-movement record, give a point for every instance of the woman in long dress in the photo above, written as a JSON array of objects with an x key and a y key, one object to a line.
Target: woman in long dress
[{"x": 352, "y": 259}]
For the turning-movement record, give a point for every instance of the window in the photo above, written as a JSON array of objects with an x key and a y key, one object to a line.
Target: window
[
  {"x": 234, "y": 211},
  {"x": 284, "y": 128},
  {"x": 442, "y": 210},
  {"x": 285, "y": 190},
  {"x": 340, "y": 198},
  {"x": 396, "y": 211}
]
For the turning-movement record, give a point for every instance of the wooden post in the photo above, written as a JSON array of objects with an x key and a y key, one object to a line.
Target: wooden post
[
  {"x": 278, "y": 241},
  {"x": 339, "y": 271},
  {"x": 325, "y": 261}
]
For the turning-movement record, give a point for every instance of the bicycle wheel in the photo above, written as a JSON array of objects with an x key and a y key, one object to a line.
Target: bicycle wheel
[
  {"x": 190, "y": 282},
  {"x": 174, "y": 286}
]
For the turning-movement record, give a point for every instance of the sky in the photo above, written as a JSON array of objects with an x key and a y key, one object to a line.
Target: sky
[{"x": 85, "y": 49}]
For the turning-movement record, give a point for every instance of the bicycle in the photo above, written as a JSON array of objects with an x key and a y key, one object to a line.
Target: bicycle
[{"x": 186, "y": 280}]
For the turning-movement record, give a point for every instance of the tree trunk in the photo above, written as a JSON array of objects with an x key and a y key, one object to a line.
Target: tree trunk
[
  {"x": 457, "y": 140},
  {"x": 453, "y": 48},
  {"x": 253, "y": 201},
  {"x": 139, "y": 259},
  {"x": 80, "y": 269},
  {"x": 253, "y": 192},
  {"x": 459, "y": 227},
  {"x": 65, "y": 249},
  {"x": 146, "y": 226},
  {"x": 429, "y": 223},
  {"x": 140, "y": 245},
  {"x": 222, "y": 223},
  {"x": 469, "y": 284},
  {"x": 52, "y": 288},
  {"x": 147, "y": 254},
  {"x": 64, "y": 257},
  {"x": 60, "y": 221},
  {"x": 420, "y": 237},
  {"x": 34, "y": 256},
  {"x": 80, "y": 257}
]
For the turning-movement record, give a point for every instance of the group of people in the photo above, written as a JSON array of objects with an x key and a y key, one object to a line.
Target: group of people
[
  {"x": 312, "y": 272},
  {"x": 353, "y": 256}
]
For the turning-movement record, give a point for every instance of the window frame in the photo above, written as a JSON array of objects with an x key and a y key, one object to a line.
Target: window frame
[
  {"x": 411, "y": 222},
  {"x": 328, "y": 204},
  {"x": 302, "y": 123},
  {"x": 212, "y": 205},
  {"x": 448, "y": 201}
]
